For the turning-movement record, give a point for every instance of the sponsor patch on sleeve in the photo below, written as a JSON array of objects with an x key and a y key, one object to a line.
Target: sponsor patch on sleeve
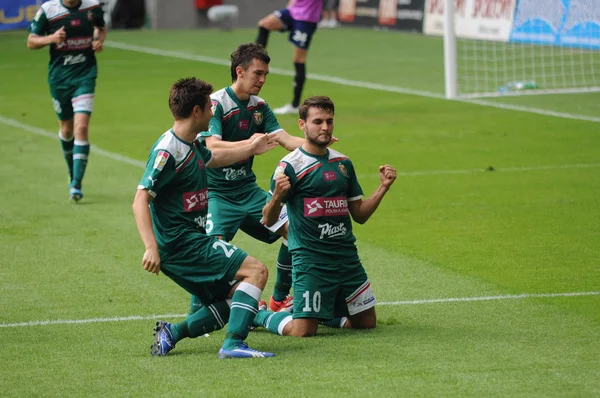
[
  {"x": 280, "y": 170},
  {"x": 161, "y": 160}
]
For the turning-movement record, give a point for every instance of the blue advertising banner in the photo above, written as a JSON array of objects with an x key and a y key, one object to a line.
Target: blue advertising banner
[
  {"x": 17, "y": 14},
  {"x": 573, "y": 23}
]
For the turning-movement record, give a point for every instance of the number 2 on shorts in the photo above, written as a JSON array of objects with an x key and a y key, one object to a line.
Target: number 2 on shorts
[{"x": 228, "y": 248}]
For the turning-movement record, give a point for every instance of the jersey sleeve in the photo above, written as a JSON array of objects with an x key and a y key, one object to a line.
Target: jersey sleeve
[
  {"x": 355, "y": 192},
  {"x": 98, "y": 17},
  {"x": 283, "y": 168},
  {"x": 205, "y": 154},
  {"x": 39, "y": 26},
  {"x": 160, "y": 169},
  {"x": 215, "y": 127},
  {"x": 271, "y": 123}
]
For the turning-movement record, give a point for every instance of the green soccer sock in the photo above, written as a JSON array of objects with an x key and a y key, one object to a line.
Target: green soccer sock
[
  {"x": 206, "y": 320},
  {"x": 81, "y": 150},
  {"x": 244, "y": 306},
  {"x": 283, "y": 281},
  {"x": 274, "y": 321},
  {"x": 195, "y": 304},
  {"x": 67, "y": 150}
]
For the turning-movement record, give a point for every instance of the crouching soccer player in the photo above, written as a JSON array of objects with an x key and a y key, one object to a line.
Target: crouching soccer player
[
  {"x": 170, "y": 209},
  {"x": 323, "y": 196}
]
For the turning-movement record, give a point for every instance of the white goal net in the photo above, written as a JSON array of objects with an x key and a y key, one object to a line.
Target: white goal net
[{"x": 515, "y": 47}]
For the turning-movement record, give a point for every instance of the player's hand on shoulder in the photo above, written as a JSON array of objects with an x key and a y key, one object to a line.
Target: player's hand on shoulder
[
  {"x": 59, "y": 36},
  {"x": 151, "y": 261},
  {"x": 263, "y": 144},
  {"x": 387, "y": 174},
  {"x": 282, "y": 185}
]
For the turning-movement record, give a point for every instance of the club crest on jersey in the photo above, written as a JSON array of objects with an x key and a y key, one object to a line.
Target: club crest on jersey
[
  {"x": 258, "y": 117},
  {"x": 213, "y": 108},
  {"x": 90, "y": 15},
  {"x": 161, "y": 160},
  {"x": 343, "y": 169}
]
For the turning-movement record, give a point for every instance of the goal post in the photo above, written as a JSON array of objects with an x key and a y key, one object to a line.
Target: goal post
[{"x": 517, "y": 47}]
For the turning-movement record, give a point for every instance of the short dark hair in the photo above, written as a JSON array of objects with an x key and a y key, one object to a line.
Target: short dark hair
[
  {"x": 186, "y": 93},
  {"x": 320, "y": 102},
  {"x": 244, "y": 55}
]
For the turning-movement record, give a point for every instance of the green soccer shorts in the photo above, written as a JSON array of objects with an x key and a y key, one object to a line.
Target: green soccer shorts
[
  {"x": 71, "y": 99},
  {"x": 204, "y": 266},
  {"x": 228, "y": 215},
  {"x": 317, "y": 286}
]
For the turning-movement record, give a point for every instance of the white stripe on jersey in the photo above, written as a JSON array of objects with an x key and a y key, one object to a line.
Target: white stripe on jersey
[
  {"x": 301, "y": 162},
  {"x": 54, "y": 8},
  {"x": 228, "y": 104},
  {"x": 176, "y": 148}
]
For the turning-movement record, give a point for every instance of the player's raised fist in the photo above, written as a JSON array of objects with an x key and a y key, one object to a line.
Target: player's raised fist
[
  {"x": 387, "y": 174},
  {"x": 282, "y": 185}
]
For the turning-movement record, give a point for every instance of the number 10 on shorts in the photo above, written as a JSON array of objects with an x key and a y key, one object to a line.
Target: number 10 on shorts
[{"x": 316, "y": 302}]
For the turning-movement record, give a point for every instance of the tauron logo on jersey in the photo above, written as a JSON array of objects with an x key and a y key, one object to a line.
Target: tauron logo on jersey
[
  {"x": 195, "y": 201},
  {"x": 343, "y": 169},
  {"x": 161, "y": 160},
  {"x": 243, "y": 124},
  {"x": 325, "y": 207},
  {"x": 329, "y": 175},
  {"x": 75, "y": 43},
  {"x": 76, "y": 22},
  {"x": 233, "y": 174},
  {"x": 332, "y": 231},
  {"x": 258, "y": 117}
]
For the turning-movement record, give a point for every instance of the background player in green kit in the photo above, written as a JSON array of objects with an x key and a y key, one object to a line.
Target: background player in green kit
[
  {"x": 235, "y": 200},
  {"x": 170, "y": 209},
  {"x": 75, "y": 31},
  {"x": 322, "y": 194}
]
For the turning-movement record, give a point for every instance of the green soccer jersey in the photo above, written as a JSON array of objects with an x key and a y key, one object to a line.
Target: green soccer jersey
[
  {"x": 175, "y": 177},
  {"x": 235, "y": 120},
  {"x": 73, "y": 60},
  {"x": 320, "y": 226}
]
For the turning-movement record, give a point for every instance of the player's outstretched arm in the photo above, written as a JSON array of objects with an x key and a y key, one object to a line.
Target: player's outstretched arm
[
  {"x": 213, "y": 143},
  {"x": 227, "y": 156},
  {"x": 143, "y": 219},
  {"x": 35, "y": 42},
  {"x": 273, "y": 207},
  {"x": 362, "y": 210},
  {"x": 289, "y": 142}
]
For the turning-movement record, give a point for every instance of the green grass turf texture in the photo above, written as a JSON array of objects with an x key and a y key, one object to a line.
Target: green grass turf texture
[{"x": 437, "y": 235}]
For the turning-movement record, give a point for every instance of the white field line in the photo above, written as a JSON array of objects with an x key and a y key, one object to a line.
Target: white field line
[
  {"x": 141, "y": 164},
  {"x": 386, "y": 303},
  {"x": 348, "y": 82}
]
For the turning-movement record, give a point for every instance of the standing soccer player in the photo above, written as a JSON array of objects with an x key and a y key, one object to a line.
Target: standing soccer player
[
  {"x": 300, "y": 18},
  {"x": 235, "y": 200},
  {"x": 75, "y": 32},
  {"x": 323, "y": 196},
  {"x": 170, "y": 209}
]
